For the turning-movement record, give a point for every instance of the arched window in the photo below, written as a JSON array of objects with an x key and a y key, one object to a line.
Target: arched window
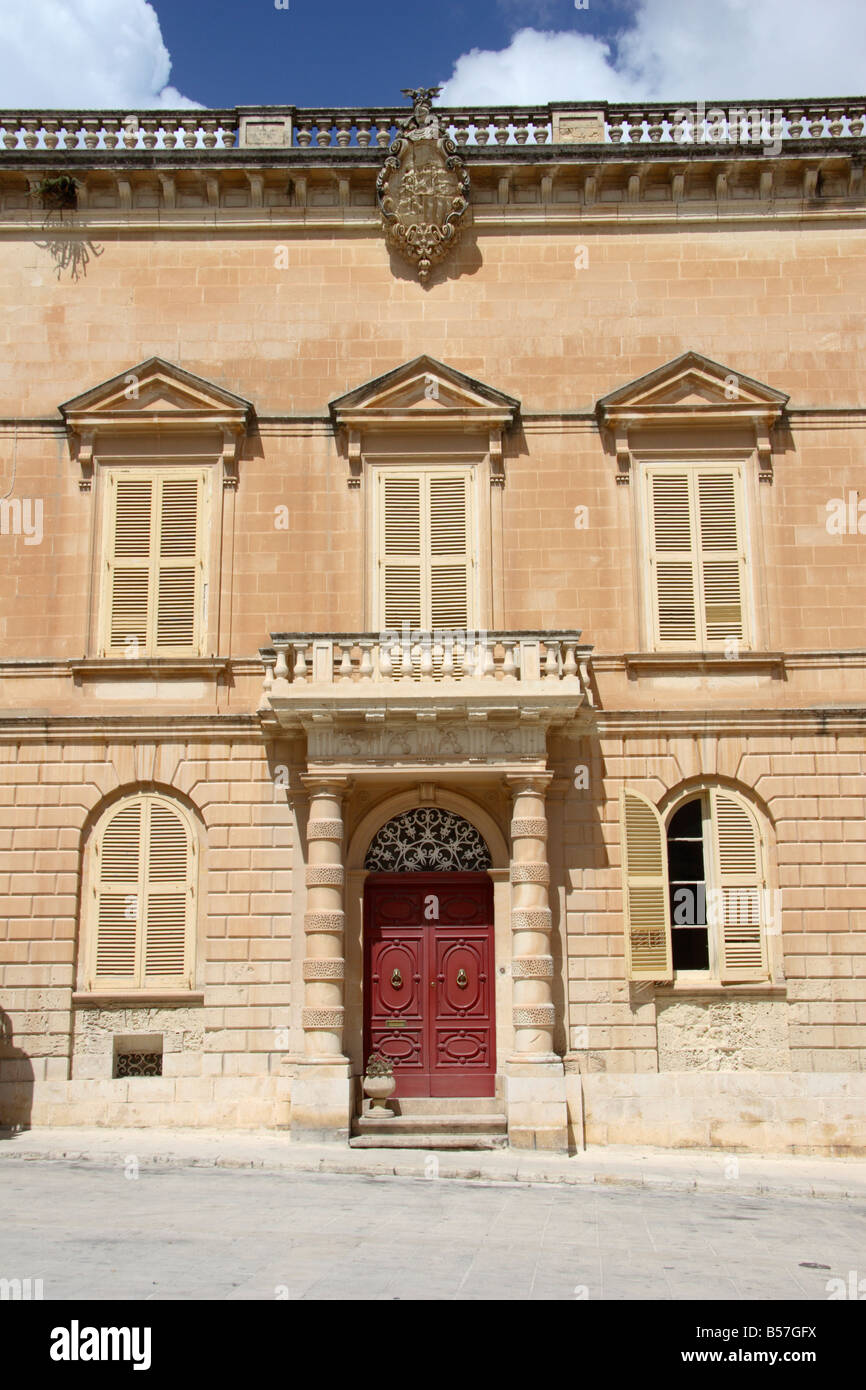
[
  {"x": 142, "y": 897},
  {"x": 695, "y": 889}
]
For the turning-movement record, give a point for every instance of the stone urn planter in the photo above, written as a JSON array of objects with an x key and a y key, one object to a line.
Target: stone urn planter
[{"x": 379, "y": 1084}]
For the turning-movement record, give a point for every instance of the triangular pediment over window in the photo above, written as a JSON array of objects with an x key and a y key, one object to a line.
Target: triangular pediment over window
[
  {"x": 427, "y": 391},
  {"x": 691, "y": 392},
  {"x": 156, "y": 396}
]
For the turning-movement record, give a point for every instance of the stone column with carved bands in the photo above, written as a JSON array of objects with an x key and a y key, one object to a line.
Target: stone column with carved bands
[
  {"x": 532, "y": 962},
  {"x": 324, "y": 923}
]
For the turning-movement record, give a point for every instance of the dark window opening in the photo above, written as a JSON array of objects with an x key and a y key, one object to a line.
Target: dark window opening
[{"x": 688, "y": 888}]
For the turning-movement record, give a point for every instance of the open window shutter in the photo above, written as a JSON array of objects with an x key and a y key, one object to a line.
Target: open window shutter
[
  {"x": 178, "y": 565},
  {"x": 129, "y": 565},
  {"x": 722, "y": 557},
  {"x": 649, "y": 953},
  {"x": 168, "y": 897},
  {"x": 118, "y": 892},
  {"x": 740, "y": 890},
  {"x": 673, "y": 559}
]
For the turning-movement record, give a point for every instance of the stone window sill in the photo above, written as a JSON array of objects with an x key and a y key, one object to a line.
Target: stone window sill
[
  {"x": 135, "y": 999},
  {"x": 690, "y": 662},
  {"x": 715, "y": 989}
]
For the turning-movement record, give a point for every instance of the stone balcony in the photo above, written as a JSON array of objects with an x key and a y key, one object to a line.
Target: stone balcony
[{"x": 416, "y": 698}]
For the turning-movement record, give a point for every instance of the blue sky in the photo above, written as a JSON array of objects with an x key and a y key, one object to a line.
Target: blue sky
[
  {"x": 226, "y": 53},
  {"x": 134, "y": 54}
]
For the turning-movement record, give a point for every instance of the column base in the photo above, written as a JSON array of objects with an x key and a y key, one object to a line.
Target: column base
[
  {"x": 321, "y": 1102},
  {"x": 535, "y": 1100}
]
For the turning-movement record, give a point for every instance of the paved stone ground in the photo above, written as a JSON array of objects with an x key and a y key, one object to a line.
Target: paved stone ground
[{"x": 173, "y": 1232}]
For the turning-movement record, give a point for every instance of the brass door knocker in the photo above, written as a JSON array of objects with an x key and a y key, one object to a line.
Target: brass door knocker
[
  {"x": 462, "y": 981},
  {"x": 396, "y": 979}
]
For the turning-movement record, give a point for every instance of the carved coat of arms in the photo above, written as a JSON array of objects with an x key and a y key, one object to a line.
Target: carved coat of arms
[{"x": 423, "y": 187}]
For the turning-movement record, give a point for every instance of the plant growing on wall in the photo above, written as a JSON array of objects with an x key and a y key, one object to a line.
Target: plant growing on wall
[{"x": 58, "y": 193}]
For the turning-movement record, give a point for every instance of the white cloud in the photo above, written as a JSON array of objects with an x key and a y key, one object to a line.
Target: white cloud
[
  {"x": 715, "y": 49},
  {"x": 84, "y": 53}
]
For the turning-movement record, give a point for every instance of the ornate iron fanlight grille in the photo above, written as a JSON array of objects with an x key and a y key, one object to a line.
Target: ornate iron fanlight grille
[{"x": 427, "y": 839}]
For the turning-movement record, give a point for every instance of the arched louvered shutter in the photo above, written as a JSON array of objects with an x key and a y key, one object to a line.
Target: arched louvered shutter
[
  {"x": 697, "y": 557},
  {"x": 649, "y": 954},
  {"x": 144, "y": 891},
  {"x": 739, "y": 886},
  {"x": 155, "y": 562}
]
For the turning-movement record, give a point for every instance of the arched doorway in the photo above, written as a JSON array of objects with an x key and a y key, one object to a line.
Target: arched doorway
[{"x": 429, "y": 955}]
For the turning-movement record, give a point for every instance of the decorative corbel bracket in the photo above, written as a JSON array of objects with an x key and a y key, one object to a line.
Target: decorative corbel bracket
[
  {"x": 355, "y": 457},
  {"x": 85, "y": 459}
]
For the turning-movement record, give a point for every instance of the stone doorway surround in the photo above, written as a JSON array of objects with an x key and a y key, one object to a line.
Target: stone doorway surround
[{"x": 529, "y": 1073}]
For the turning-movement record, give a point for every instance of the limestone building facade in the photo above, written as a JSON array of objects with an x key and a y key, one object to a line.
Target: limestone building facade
[{"x": 432, "y": 622}]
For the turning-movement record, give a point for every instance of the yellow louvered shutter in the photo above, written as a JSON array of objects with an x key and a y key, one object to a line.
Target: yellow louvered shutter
[
  {"x": 649, "y": 953},
  {"x": 155, "y": 563},
  {"x": 401, "y": 556},
  {"x": 129, "y": 563},
  {"x": 178, "y": 566},
  {"x": 739, "y": 890},
  {"x": 425, "y": 557},
  {"x": 117, "y": 892},
  {"x": 169, "y": 893},
  {"x": 697, "y": 557},
  {"x": 722, "y": 557},
  {"x": 449, "y": 552},
  {"x": 145, "y": 892},
  {"x": 673, "y": 559}
]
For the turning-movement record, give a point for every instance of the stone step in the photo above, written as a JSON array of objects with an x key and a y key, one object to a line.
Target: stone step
[
  {"x": 428, "y": 1140},
  {"x": 461, "y": 1105},
  {"x": 431, "y": 1131}
]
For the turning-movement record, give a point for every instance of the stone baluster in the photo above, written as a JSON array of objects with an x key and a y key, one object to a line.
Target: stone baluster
[
  {"x": 488, "y": 660},
  {"x": 502, "y": 126},
  {"x": 228, "y": 134},
  {"x": 795, "y": 122},
  {"x": 209, "y": 133},
  {"x": 268, "y": 682},
  {"x": 551, "y": 660},
  {"x": 521, "y": 129},
  {"x": 31, "y": 132},
  {"x": 92, "y": 127},
  {"x": 461, "y": 130},
  {"x": 383, "y": 132},
  {"x": 366, "y": 668},
  {"x": 363, "y": 127},
  {"x": 323, "y": 131},
  {"x": 815, "y": 122},
  {"x": 569, "y": 665},
  {"x": 656, "y": 126},
  {"x": 51, "y": 133},
  {"x": 425, "y": 664},
  {"x": 540, "y": 131},
  {"x": 345, "y": 670},
  {"x": 304, "y": 130},
  {"x": 150, "y": 129},
  {"x": 281, "y": 665},
  {"x": 616, "y": 127},
  {"x": 482, "y": 131},
  {"x": 509, "y": 665},
  {"x": 324, "y": 924},
  {"x": 299, "y": 672},
  {"x": 857, "y": 124},
  {"x": 111, "y": 132},
  {"x": 170, "y": 132},
  {"x": 836, "y": 117},
  {"x": 10, "y": 133},
  {"x": 448, "y": 656},
  {"x": 386, "y": 660},
  {"x": 344, "y": 131}
]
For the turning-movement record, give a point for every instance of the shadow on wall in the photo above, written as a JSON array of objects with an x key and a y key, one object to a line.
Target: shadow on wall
[{"x": 16, "y": 1083}]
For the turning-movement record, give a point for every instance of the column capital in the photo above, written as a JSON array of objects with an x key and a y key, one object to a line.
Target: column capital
[
  {"x": 532, "y": 783},
  {"x": 337, "y": 784}
]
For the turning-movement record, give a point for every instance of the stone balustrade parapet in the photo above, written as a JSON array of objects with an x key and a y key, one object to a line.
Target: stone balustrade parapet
[
  {"x": 355, "y": 659},
  {"x": 764, "y": 124}
]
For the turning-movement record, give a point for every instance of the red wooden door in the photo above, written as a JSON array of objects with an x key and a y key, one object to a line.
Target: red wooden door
[{"x": 428, "y": 981}]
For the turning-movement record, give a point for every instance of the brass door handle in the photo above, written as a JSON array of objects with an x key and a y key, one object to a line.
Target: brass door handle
[
  {"x": 396, "y": 979},
  {"x": 462, "y": 981}
]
